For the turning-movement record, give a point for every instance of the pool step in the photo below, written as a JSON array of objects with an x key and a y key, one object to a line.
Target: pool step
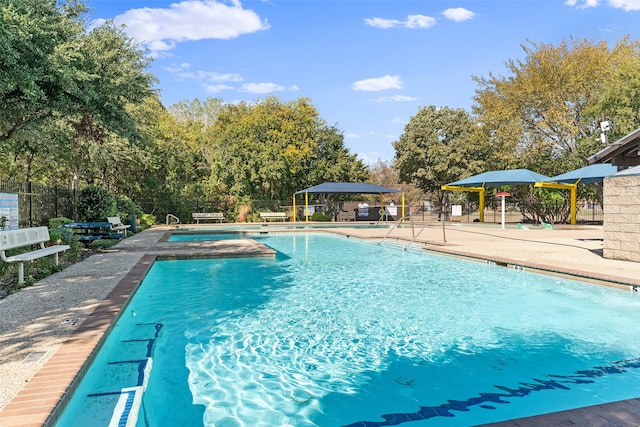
[
  {"x": 405, "y": 246},
  {"x": 128, "y": 377}
]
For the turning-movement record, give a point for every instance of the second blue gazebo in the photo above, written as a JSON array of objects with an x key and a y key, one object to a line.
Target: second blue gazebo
[{"x": 343, "y": 188}]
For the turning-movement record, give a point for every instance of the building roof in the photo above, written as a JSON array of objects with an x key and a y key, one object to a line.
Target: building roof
[
  {"x": 348, "y": 188},
  {"x": 503, "y": 177},
  {"x": 623, "y": 153},
  {"x": 634, "y": 171}
]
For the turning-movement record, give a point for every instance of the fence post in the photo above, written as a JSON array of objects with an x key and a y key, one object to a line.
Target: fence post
[{"x": 29, "y": 192}]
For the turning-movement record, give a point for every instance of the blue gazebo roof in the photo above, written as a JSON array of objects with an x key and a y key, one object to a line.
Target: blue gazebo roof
[
  {"x": 348, "y": 188},
  {"x": 503, "y": 177},
  {"x": 586, "y": 175}
]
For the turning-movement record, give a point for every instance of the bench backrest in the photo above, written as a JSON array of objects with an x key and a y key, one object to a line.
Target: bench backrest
[
  {"x": 10, "y": 239},
  {"x": 273, "y": 214},
  {"x": 115, "y": 220},
  {"x": 207, "y": 215}
]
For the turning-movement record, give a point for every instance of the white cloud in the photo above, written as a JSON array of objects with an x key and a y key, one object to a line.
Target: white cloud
[
  {"x": 458, "y": 14},
  {"x": 382, "y": 23},
  {"x": 214, "y": 82},
  {"x": 370, "y": 158},
  {"x": 395, "y": 98},
  {"x": 419, "y": 21},
  {"x": 412, "y": 21},
  {"x": 378, "y": 84},
  {"x": 159, "y": 29},
  {"x": 182, "y": 72},
  {"x": 582, "y": 4},
  {"x": 261, "y": 88},
  {"x": 217, "y": 88},
  {"x": 626, "y": 5}
]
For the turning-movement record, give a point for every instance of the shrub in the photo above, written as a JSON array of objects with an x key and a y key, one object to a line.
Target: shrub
[
  {"x": 125, "y": 207},
  {"x": 55, "y": 235},
  {"x": 55, "y": 223},
  {"x": 148, "y": 219},
  {"x": 95, "y": 204},
  {"x": 319, "y": 216},
  {"x": 68, "y": 238}
]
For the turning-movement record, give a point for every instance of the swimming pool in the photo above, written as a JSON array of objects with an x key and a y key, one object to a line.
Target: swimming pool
[{"x": 337, "y": 331}]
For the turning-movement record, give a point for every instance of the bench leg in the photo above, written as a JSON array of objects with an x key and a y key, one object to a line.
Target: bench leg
[
  {"x": 20, "y": 272},
  {"x": 55, "y": 258}
]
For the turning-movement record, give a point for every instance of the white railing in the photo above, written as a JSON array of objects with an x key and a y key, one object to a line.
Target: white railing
[{"x": 172, "y": 219}]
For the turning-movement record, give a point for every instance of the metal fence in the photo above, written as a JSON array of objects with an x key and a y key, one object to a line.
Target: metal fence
[
  {"x": 38, "y": 203},
  {"x": 184, "y": 208}
]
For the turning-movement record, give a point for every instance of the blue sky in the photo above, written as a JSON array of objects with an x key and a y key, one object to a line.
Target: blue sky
[{"x": 368, "y": 66}]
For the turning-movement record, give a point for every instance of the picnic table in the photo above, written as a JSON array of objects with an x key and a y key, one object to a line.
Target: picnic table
[{"x": 90, "y": 231}]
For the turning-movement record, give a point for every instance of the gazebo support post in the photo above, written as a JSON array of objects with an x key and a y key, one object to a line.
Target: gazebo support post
[
  {"x": 294, "y": 208},
  {"x": 573, "y": 188},
  {"x": 479, "y": 190},
  {"x": 306, "y": 207}
]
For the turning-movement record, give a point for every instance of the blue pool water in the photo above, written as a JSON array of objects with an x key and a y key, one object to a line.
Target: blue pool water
[{"x": 341, "y": 332}]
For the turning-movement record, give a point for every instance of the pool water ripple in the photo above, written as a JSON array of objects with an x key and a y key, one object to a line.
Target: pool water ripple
[{"x": 341, "y": 332}]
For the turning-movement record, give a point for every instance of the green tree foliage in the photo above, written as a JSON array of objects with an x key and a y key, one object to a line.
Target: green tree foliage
[
  {"x": 438, "y": 146},
  {"x": 37, "y": 73},
  {"x": 271, "y": 149},
  {"x": 619, "y": 100},
  {"x": 545, "y": 114},
  {"x": 67, "y": 93},
  {"x": 95, "y": 204}
]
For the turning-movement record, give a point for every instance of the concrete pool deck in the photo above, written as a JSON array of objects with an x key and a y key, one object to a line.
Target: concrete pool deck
[{"x": 48, "y": 331}]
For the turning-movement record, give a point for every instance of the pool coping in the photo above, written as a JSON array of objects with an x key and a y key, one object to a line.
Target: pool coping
[
  {"x": 42, "y": 399},
  {"x": 38, "y": 402}
]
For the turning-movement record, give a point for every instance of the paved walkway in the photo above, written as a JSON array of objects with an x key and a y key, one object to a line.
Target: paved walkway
[{"x": 48, "y": 330}]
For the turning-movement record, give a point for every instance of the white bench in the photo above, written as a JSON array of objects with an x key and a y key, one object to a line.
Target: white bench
[
  {"x": 118, "y": 226},
  {"x": 27, "y": 237},
  {"x": 214, "y": 216},
  {"x": 274, "y": 215}
]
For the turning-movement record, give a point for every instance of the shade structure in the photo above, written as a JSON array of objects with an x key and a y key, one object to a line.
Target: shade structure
[
  {"x": 348, "y": 188},
  {"x": 479, "y": 182},
  {"x": 586, "y": 175},
  {"x": 343, "y": 188},
  {"x": 503, "y": 177}
]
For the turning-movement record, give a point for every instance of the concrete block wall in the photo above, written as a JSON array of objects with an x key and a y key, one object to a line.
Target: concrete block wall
[{"x": 621, "y": 201}]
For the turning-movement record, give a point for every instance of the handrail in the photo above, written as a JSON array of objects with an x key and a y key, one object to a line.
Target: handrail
[
  {"x": 394, "y": 226},
  {"x": 173, "y": 217},
  {"x": 397, "y": 224}
]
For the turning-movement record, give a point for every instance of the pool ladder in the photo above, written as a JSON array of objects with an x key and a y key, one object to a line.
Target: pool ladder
[
  {"x": 172, "y": 219},
  {"x": 414, "y": 235}
]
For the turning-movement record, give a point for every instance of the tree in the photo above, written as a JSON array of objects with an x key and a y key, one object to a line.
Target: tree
[
  {"x": 619, "y": 99},
  {"x": 37, "y": 73},
  {"x": 383, "y": 173},
  {"x": 271, "y": 149},
  {"x": 67, "y": 92},
  {"x": 545, "y": 115},
  {"x": 438, "y": 146}
]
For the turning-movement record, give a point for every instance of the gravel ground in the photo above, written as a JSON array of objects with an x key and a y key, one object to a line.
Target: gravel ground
[{"x": 35, "y": 321}]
